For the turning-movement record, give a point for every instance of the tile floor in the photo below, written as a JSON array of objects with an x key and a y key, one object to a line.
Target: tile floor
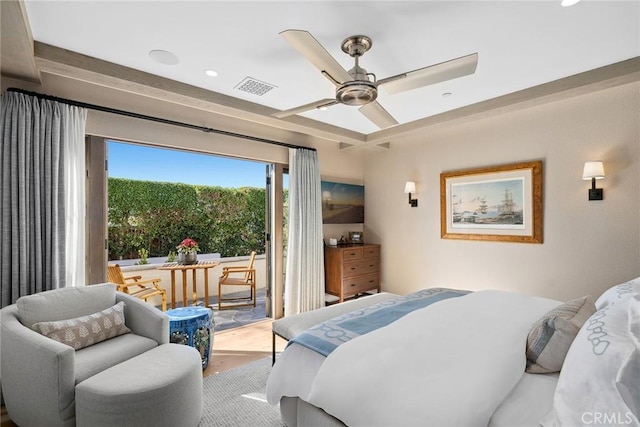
[{"x": 232, "y": 318}]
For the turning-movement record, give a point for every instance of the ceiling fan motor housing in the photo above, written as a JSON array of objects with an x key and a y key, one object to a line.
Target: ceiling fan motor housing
[
  {"x": 360, "y": 90},
  {"x": 357, "y": 92}
]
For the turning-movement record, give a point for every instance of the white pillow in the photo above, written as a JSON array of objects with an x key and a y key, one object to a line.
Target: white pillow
[
  {"x": 634, "y": 320},
  {"x": 628, "y": 381},
  {"x": 618, "y": 293},
  {"x": 597, "y": 384}
]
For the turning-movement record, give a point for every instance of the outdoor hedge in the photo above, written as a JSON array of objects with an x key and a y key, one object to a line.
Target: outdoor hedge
[{"x": 157, "y": 216}]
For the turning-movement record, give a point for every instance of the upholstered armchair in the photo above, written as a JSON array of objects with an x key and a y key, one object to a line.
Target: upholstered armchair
[{"x": 39, "y": 374}]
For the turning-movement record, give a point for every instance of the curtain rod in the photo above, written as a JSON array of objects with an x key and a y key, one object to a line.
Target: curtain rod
[{"x": 154, "y": 119}]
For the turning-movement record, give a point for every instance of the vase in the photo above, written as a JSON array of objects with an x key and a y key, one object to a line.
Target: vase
[{"x": 187, "y": 259}]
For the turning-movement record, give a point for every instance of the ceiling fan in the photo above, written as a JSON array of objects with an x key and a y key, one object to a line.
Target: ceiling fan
[{"x": 359, "y": 88}]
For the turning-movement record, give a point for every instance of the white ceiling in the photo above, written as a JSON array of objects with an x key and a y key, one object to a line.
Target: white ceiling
[{"x": 520, "y": 44}]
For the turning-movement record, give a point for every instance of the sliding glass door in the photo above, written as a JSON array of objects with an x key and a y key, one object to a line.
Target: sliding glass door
[{"x": 97, "y": 242}]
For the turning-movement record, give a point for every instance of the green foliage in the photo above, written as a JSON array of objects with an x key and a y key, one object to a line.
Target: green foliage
[
  {"x": 158, "y": 216},
  {"x": 144, "y": 254}
]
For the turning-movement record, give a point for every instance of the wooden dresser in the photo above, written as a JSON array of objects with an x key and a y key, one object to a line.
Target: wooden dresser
[{"x": 352, "y": 269}]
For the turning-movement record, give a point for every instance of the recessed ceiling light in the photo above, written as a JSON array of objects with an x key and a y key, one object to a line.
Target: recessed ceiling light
[
  {"x": 446, "y": 94},
  {"x": 323, "y": 108},
  {"x": 567, "y": 3},
  {"x": 164, "y": 57},
  {"x": 211, "y": 73}
]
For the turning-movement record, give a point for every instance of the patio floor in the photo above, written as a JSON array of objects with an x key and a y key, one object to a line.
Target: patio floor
[{"x": 233, "y": 318}]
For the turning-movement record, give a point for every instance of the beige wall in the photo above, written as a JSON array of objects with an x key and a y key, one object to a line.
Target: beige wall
[{"x": 588, "y": 246}]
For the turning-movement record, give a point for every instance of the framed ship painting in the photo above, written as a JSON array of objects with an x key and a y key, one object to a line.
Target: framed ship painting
[
  {"x": 497, "y": 203},
  {"x": 342, "y": 203}
]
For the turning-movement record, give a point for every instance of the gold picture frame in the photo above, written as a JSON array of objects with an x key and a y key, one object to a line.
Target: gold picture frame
[{"x": 497, "y": 203}]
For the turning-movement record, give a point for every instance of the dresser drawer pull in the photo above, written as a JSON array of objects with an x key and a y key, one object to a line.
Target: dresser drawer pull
[
  {"x": 353, "y": 268},
  {"x": 371, "y": 281},
  {"x": 352, "y": 254},
  {"x": 353, "y": 284}
]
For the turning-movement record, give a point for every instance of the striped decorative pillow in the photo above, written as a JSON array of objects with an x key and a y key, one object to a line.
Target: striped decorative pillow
[
  {"x": 550, "y": 337},
  {"x": 86, "y": 330}
]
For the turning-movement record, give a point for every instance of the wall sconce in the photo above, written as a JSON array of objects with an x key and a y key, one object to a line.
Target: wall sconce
[
  {"x": 594, "y": 170},
  {"x": 410, "y": 187}
]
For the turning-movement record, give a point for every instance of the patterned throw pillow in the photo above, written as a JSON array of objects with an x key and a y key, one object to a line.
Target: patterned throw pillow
[
  {"x": 551, "y": 336},
  {"x": 86, "y": 330}
]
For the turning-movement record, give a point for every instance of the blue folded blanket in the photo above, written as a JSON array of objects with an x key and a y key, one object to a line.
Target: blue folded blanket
[{"x": 327, "y": 336}]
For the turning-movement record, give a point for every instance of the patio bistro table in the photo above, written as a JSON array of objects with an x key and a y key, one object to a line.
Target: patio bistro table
[{"x": 200, "y": 265}]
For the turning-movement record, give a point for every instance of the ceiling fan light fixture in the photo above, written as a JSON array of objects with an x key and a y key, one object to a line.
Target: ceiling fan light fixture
[{"x": 358, "y": 92}]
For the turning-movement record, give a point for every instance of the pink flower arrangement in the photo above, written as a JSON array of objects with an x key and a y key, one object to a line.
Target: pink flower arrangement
[{"x": 188, "y": 246}]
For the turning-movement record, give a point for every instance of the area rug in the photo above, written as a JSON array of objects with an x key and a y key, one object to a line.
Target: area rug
[{"x": 237, "y": 397}]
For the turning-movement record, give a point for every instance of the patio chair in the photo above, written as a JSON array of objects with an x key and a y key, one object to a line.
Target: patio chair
[
  {"x": 135, "y": 286},
  {"x": 248, "y": 279}
]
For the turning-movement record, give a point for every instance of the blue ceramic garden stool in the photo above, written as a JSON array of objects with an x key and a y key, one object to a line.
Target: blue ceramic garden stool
[{"x": 192, "y": 326}]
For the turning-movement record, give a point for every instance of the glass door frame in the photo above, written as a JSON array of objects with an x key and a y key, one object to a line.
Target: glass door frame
[{"x": 274, "y": 239}]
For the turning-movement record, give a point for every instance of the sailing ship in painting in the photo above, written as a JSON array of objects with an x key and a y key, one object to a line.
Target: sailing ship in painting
[
  {"x": 470, "y": 207},
  {"x": 507, "y": 210}
]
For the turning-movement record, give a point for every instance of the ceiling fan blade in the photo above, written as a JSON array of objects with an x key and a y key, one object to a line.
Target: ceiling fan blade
[
  {"x": 301, "y": 109},
  {"x": 437, "y": 73},
  {"x": 378, "y": 115},
  {"x": 315, "y": 53}
]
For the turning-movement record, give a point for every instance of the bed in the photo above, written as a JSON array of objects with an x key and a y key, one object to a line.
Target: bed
[{"x": 450, "y": 357}]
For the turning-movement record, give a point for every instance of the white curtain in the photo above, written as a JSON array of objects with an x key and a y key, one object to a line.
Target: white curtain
[
  {"x": 41, "y": 195},
  {"x": 75, "y": 205},
  {"x": 304, "y": 283}
]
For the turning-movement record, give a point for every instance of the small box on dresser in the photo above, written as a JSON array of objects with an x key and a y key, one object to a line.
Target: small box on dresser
[{"x": 351, "y": 269}]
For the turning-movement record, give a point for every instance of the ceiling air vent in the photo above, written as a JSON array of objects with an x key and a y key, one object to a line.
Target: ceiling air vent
[{"x": 256, "y": 87}]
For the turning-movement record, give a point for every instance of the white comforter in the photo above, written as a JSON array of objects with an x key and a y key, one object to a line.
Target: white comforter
[{"x": 451, "y": 363}]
